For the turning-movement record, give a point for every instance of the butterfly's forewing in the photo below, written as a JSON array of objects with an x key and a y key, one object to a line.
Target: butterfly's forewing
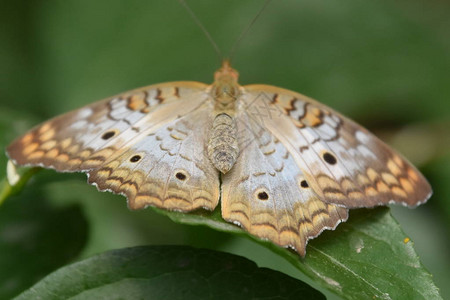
[
  {"x": 343, "y": 162},
  {"x": 143, "y": 144},
  {"x": 302, "y": 165}
]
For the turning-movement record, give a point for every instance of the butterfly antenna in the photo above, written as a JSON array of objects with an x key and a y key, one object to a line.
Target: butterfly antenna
[
  {"x": 247, "y": 29},
  {"x": 200, "y": 24}
]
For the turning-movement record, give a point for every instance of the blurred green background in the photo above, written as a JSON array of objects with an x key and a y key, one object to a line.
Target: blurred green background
[{"x": 385, "y": 64}]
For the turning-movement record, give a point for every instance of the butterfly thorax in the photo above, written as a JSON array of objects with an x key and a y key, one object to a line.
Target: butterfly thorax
[{"x": 222, "y": 145}]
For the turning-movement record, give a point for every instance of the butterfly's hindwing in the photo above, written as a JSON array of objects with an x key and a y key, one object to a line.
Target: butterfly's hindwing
[
  {"x": 267, "y": 194},
  {"x": 167, "y": 168}
]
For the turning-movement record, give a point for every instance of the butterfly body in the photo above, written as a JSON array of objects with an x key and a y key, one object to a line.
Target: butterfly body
[
  {"x": 223, "y": 148},
  {"x": 283, "y": 166}
]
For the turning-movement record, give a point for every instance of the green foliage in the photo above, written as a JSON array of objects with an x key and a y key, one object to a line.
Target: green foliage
[
  {"x": 36, "y": 238},
  {"x": 168, "y": 272},
  {"x": 382, "y": 63},
  {"x": 364, "y": 258}
]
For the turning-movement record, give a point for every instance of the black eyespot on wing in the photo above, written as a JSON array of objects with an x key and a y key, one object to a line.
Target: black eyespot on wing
[
  {"x": 304, "y": 184},
  {"x": 180, "y": 176},
  {"x": 263, "y": 196},
  {"x": 329, "y": 158},
  {"x": 108, "y": 135},
  {"x": 135, "y": 158}
]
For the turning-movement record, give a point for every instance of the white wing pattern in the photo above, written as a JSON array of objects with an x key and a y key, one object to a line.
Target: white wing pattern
[
  {"x": 268, "y": 194},
  {"x": 290, "y": 167},
  {"x": 143, "y": 144},
  {"x": 345, "y": 164}
]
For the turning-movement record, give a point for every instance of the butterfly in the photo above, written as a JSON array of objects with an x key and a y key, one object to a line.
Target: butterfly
[{"x": 283, "y": 166}]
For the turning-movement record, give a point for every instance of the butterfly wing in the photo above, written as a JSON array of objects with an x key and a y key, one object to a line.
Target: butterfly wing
[
  {"x": 343, "y": 162},
  {"x": 136, "y": 144},
  {"x": 302, "y": 165},
  {"x": 265, "y": 191}
]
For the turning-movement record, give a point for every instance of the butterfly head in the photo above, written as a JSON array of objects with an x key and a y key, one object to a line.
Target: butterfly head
[
  {"x": 226, "y": 73},
  {"x": 225, "y": 87}
]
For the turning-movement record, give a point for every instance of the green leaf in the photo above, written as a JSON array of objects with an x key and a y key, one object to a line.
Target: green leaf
[
  {"x": 366, "y": 257},
  {"x": 35, "y": 239},
  {"x": 168, "y": 272}
]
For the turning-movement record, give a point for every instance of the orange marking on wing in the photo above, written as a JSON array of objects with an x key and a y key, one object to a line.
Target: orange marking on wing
[
  {"x": 363, "y": 180},
  {"x": 315, "y": 205},
  {"x": 122, "y": 173},
  {"x": 137, "y": 102},
  {"x": 114, "y": 164},
  {"x": 202, "y": 202},
  {"x": 142, "y": 200},
  {"x": 240, "y": 216},
  {"x": 382, "y": 187},
  {"x": 392, "y": 166},
  {"x": 399, "y": 192},
  {"x": 36, "y": 155},
  {"x": 398, "y": 161},
  {"x": 355, "y": 195},
  {"x": 320, "y": 218},
  {"x": 263, "y": 216},
  {"x": 297, "y": 123},
  {"x": 30, "y": 148},
  {"x": 63, "y": 157},
  {"x": 47, "y": 135},
  {"x": 27, "y": 138},
  {"x": 312, "y": 117},
  {"x": 138, "y": 177},
  {"x": 413, "y": 175},
  {"x": 370, "y": 191},
  {"x": 406, "y": 185},
  {"x": 52, "y": 153},
  {"x": 74, "y": 162},
  {"x": 389, "y": 179},
  {"x": 238, "y": 206},
  {"x": 335, "y": 196},
  {"x": 65, "y": 143},
  {"x": 103, "y": 173},
  {"x": 44, "y": 128},
  {"x": 48, "y": 145},
  {"x": 288, "y": 237},
  {"x": 152, "y": 187},
  {"x": 114, "y": 184},
  {"x": 91, "y": 163},
  {"x": 347, "y": 185},
  {"x": 304, "y": 228},
  {"x": 129, "y": 188},
  {"x": 73, "y": 149},
  {"x": 325, "y": 182},
  {"x": 177, "y": 203},
  {"x": 268, "y": 231},
  {"x": 285, "y": 219},
  {"x": 372, "y": 174},
  {"x": 84, "y": 154},
  {"x": 107, "y": 152}
]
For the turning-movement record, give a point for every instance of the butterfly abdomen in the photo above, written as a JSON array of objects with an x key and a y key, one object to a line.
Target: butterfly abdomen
[{"x": 222, "y": 145}]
